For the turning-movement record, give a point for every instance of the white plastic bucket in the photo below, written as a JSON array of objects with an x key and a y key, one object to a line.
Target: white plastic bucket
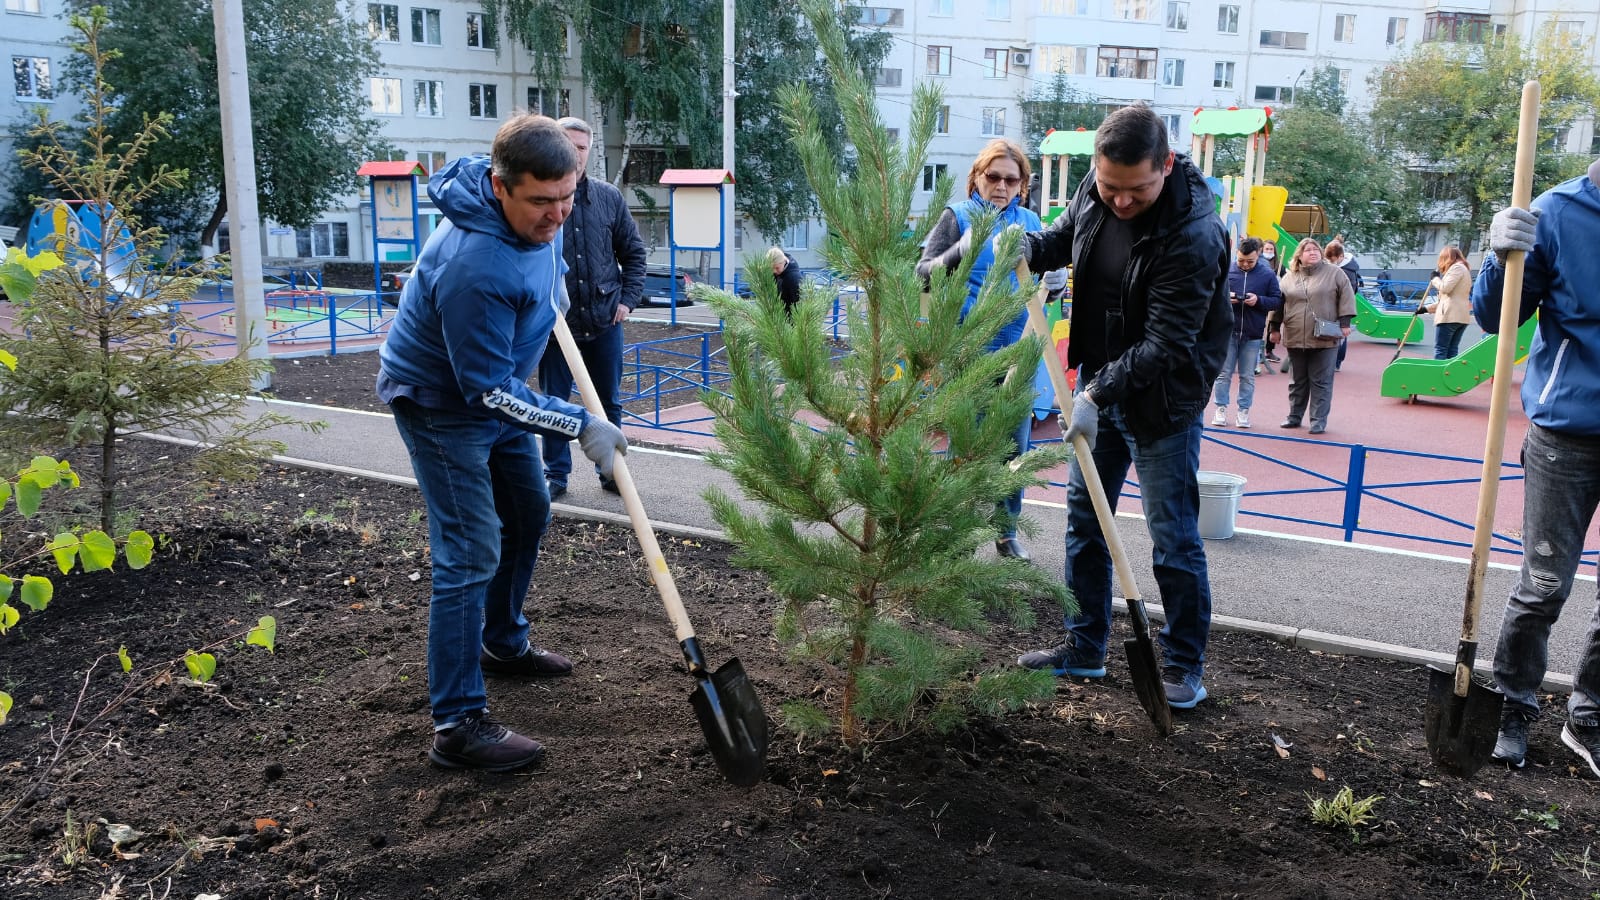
[{"x": 1219, "y": 504}]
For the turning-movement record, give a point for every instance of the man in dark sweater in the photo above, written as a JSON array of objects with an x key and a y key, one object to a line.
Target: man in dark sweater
[
  {"x": 605, "y": 261},
  {"x": 787, "y": 273}
]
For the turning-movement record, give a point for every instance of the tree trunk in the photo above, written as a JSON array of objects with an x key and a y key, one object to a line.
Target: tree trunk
[
  {"x": 627, "y": 148},
  {"x": 208, "y": 237}
]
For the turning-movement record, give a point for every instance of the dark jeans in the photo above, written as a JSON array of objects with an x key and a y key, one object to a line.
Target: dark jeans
[
  {"x": 1012, "y": 506},
  {"x": 602, "y": 356},
  {"x": 487, "y": 506},
  {"x": 1170, "y": 493},
  {"x": 1447, "y": 339},
  {"x": 1312, "y": 373},
  {"x": 1560, "y": 493}
]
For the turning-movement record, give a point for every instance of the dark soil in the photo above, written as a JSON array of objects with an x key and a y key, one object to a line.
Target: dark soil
[{"x": 302, "y": 773}]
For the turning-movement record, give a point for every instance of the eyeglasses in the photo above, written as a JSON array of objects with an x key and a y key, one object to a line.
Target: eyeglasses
[{"x": 1007, "y": 180}]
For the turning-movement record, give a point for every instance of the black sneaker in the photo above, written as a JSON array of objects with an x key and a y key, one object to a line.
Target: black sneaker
[
  {"x": 1512, "y": 745},
  {"x": 1011, "y": 548},
  {"x": 1584, "y": 741},
  {"x": 557, "y": 489},
  {"x": 535, "y": 661},
  {"x": 479, "y": 742},
  {"x": 609, "y": 485},
  {"x": 1065, "y": 659}
]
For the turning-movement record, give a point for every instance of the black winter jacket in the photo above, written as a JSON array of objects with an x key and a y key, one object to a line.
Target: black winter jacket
[
  {"x": 1167, "y": 338},
  {"x": 789, "y": 284},
  {"x": 605, "y": 258}
]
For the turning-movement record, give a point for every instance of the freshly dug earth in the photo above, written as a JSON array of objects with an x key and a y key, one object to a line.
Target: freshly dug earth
[{"x": 303, "y": 773}]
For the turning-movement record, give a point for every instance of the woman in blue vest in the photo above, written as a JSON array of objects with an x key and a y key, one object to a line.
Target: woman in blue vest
[{"x": 998, "y": 181}]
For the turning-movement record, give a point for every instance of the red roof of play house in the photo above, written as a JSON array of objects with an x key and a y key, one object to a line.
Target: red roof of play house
[
  {"x": 399, "y": 168},
  {"x": 696, "y": 177}
]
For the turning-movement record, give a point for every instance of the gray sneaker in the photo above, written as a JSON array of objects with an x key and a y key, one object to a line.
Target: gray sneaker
[
  {"x": 1065, "y": 659},
  {"x": 479, "y": 742},
  {"x": 1511, "y": 747},
  {"x": 1584, "y": 741}
]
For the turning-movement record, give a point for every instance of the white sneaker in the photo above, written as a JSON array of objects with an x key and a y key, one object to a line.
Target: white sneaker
[
  {"x": 1221, "y": 418},
  {"x": 1242, "y": 420}
]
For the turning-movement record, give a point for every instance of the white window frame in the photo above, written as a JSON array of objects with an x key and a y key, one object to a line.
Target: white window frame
[
  {"x": 1397, "y": 30},
  {"x": 543, "y": 102},
  {"x": 797, "y": 236},
  {"x": 942, "y": 8},
  {"x": 996, "y": 62},
  {"x": 1344, "y": 81},
  {"x": 1174, "y": 123},
  {"x": 889, "y": 78},
  {"x": 1133, "y": 10},
  {"x": 432, "y": 160},
  {"x": 421, "y": 18},
  {"x": 1119, "y": 61},
  {"x": 941, "y": 120},
  {"x": 432, "y": 91},
  {"x": 940, "y": 58},
  {"x": 1172, "y": 72},
  {"x": 1065, "y": 58},
  {"x": 383, "y": 22},
  {"x": 1275, "y": 39},
  {"x": 26, "y": 7},
  {"x": 1228, "y": 18},
  {"x": 479, "y": 36},
  {"x": 1178, "y": 15},
  {"x": 1064, "y": 7},
  {"x": 930, "y": 175},
  {"x": 487, "y": 98},
  {"x": 386, "y": 96},
  {"x": 1222, "y": 75},
  {"x": 997, "y": 9},
  {"x": 40, "y": 86},
  {"x": 992, "y": 121},
  {"x": 1274, "y": 93},
  {"x": 1344, "y": 28},
  {"x": 325, "y": 238}
]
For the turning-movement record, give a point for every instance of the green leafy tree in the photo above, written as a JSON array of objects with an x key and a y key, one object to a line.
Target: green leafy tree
[
  {"x": 658, "y": 64},
  {"x": 100, "y": 357},
  {"x": 308, "y": 69},
  {"x": 1450, "y": 110},
  {"x": 21, "y": 185},
  {"x": 878, "y": 473},
  {"x": 1056, "y": 104},
  {"x": 1323, "y": 93}
]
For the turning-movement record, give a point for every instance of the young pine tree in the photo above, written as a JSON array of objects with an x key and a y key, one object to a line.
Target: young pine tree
[
  {"x": 100, "y": 355},
  {"x": 878, "y": 473}
]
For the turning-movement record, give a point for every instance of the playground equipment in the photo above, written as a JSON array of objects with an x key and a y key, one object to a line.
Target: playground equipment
[
  {"x": 1057, "y": 149},
  {"x": 1409, "y": 379},
  {"x": 75, "y": 232}
]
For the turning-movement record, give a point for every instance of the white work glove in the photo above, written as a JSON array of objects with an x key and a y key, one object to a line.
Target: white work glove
[
  {"x": 601, "y": 441},
  {"x": 563, "y": 300},
  {"x": 1055, "y": 280},
  {"x": 1512, "y": 229},
  {"x": 955, "y": 253},
  {"x": 1085, "y": 420}
]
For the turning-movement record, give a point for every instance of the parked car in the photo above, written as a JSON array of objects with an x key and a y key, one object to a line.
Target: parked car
[
  {"x": 393, "y": 283},
  {"x": 658, "y": 287}
]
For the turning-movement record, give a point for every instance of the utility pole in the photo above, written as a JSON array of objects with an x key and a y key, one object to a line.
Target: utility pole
[
  {"x": 239, "y": 176},
  {"x": 729, "y": 223}
]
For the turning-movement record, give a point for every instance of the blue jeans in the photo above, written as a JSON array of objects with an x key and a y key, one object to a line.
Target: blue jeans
[
  {"x": 602, "y": 356},
  {"x": 1447, "y": 339},
  {"x": 487, "y": 504},
  {"x": 1560, "y": 494},
  {"x": 1170, "y": 492},
  {"x": 1243, "y": 352}
]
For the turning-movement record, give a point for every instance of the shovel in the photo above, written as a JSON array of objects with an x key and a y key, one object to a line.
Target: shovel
[
  {"x": 1463, "y": 716},
  {"x": 724, "y": 701},
  {"x": 1140, "y": 650},
  {"x": 1410, "y": 324}
]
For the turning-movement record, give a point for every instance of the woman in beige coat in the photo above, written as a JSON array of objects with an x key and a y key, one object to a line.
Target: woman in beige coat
[
  {"x": 1314, "y": 291},
  {"x": 1452, "y": 311}
]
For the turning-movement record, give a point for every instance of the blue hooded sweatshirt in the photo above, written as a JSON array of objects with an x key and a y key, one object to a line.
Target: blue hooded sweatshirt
[{"x": 474, "y": 320}]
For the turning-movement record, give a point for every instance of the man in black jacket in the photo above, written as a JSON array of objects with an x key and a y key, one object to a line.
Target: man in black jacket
[
  {"x": 1150, "y": 325},
  {"x": 787, "y": 273},
  {"x": 605, "y": 278}
]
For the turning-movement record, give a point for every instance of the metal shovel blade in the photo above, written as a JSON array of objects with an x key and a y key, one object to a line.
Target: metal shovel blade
[
  {"x": 736, "y": 727},
  {"x": 1141, "y": 653},
  {"x": 1461, "y": 731}
]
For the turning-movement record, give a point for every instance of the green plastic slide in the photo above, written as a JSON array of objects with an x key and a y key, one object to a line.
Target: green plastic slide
[
  {"x": 1408, "y": 378},
  {"x": 1370, "y": 320}
]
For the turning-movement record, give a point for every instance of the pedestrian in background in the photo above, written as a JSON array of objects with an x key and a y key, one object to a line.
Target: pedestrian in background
[
  {"x": 1318, "y": 306},
  {"x": 1452, "y": 311},
  {"x": 787, "y": 274},
  {"x": 1335, "y": 254},
  {"x": 1253, "y": 291}
]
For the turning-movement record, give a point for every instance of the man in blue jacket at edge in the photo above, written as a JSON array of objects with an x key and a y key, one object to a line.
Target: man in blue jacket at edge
[
  {"x": 471, "y": 326},
  {"x": 1560, "y": 454}
]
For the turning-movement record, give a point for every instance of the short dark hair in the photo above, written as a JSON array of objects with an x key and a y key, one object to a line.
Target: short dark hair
[
  {"x": 1249, "y": 245},
  {"x": 1132, "y": 135},
  {"x": 532, "y": 145}
]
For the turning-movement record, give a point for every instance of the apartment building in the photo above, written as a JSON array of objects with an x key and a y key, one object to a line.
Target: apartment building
[{"x": 447, "y": 81}]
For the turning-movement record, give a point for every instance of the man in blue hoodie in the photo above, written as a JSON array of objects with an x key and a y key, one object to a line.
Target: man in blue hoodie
[
  {"x": 1253, "y": 290},
  {"x": 471, "y": 326},
  {"x": 1561, "y": 452}
]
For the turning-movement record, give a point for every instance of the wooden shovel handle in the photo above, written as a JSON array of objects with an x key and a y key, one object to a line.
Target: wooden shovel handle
[
  {"x": 659, "y": 573},
  {"x": 1091, "y": 476},
  {"x": 1500, "y": 391}
]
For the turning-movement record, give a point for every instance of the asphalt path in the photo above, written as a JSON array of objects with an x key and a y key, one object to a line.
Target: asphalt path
[{"x": 1403, "y": 601}]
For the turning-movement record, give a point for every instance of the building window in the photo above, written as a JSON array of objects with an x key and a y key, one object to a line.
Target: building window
[
  {"x": 324, "y": 240},
  {"x": 1397, "y": 31},
  {"x": 428, "y": 98},
  {"x": 942, "y": 8},
  {"x": 481, "y": 102},
  {"x": 542, "y": 102},
  {"x": 1126, "y": 62},
  {"x": 1174, "y": 124},
  {"x": 425, "y": 27},
  {"x": 1455, "y": 28},
  {"x": 1287, "y": 40},
  {"x": 1344, "y": 29},
  {"x": 996, "y": 62},
  {"x": 893, "y": 134},
  {"x": 881, "y": 16},
  {"x": 938, "y": 60},
  {"x": 1132, "y": 9},
  {"x": 998, "y": 9},
  {"x": 23, "y": 6},
  {"x": 383, "y": 22},
  {"x": 941, "y": 122},
  {"x": 1228, "y": 19},
  {"x": 930, "y": 175},
  {"x": 797, "y": 237},
  {"x": 1571, "y": 28},
  {"x": 1274, "y": 94},
  {"x": 1064, "y": 7},
  {"x": 1222, "y": 75},
  {"x": 32, "y": 76},
  {"x": 432, "y": 160},
  {"x": 390, "y": 155},
  {"x": 1558, "y": 141},
  {"x": 994, "y": 121},
  {"x": 887, "y": 78},
  {"x": 385, "y": 96},
  {"x": 1178, "y": 16},
  {"x": 1060, "y": 58},
  {"x": 1344, "y": 82},
  {"x": 1172, "y": 72},
  {"x": 479, "y": 34}
]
